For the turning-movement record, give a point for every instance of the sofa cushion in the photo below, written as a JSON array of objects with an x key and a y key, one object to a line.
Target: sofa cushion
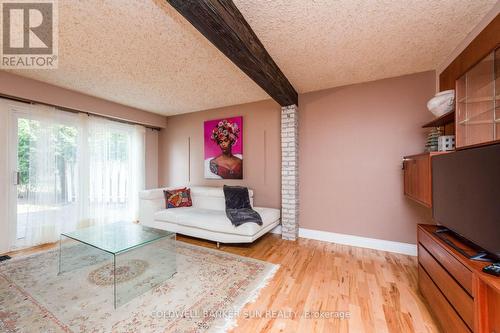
[
  {"x": 216, "y": 220},
  {"x": 210, "y": 191},
  {"x": 211, "y": 197},
  {"x": 178, "y": 198}
]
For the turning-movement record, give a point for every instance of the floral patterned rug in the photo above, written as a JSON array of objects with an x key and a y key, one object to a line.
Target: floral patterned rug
[{"x": 205, "y": 294}]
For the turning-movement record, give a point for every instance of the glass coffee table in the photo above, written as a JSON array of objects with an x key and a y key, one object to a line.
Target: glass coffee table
[{"x": 130, "y": 257}]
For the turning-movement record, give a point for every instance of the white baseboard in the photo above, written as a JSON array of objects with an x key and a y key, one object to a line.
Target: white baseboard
[{"x": 370, "y": 243}]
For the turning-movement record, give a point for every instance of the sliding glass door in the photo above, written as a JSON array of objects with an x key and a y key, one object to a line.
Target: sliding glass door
[
  {"x": 45, "y": 176},
  {"x": 71, "y": 171}
]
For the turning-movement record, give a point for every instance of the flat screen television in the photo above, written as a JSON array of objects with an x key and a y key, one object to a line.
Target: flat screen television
[{"x": 466, "y": 195}]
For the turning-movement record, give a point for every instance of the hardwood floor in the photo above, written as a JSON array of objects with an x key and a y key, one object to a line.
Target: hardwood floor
[{"x": 377, "y": 289}]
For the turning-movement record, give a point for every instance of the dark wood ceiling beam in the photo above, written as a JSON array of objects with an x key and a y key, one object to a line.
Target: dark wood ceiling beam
[{"x": 222, "y": 23}]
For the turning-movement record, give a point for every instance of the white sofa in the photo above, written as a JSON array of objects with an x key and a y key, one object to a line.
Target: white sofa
[{"x": 206, "y": 218}]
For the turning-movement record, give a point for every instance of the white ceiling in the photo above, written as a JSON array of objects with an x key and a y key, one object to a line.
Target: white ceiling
[
  {"x": 320, "y": 44},
  {"x": 144, "y": 54}
]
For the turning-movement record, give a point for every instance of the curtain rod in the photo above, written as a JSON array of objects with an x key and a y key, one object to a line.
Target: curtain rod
[{"x": 65, "y": 109}]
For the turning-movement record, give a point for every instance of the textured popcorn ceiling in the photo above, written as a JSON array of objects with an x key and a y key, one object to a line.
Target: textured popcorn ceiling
[
  {"x": 142, "y": 53},
  {"x": 320, "y": 44}
]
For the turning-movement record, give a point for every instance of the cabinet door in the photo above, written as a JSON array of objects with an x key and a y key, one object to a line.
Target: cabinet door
[
  {"x": 417, "y": 178},
  {"x": 423, "y": 179},
  {"x": 497, "y": 96},
  {"x": 408, "y": 172},
  {"x": 476, "y": 104}
]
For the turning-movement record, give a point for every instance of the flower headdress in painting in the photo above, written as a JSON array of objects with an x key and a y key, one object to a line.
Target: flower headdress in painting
[{"x": 225, "y": 130}]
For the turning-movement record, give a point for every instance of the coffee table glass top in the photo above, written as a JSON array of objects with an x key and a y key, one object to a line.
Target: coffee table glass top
[
  {"x": 127, "y": 257},
  {"x": 117, "y": 237}
]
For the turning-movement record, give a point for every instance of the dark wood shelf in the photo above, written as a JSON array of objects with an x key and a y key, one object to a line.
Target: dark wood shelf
[{"x": 445, "y": 119}]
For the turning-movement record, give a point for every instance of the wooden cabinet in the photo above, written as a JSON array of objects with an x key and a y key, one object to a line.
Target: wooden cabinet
[
  {"x": 478, "y": 103},
  {"x": 459, "y": 294},
  {"x": 418, "y": 177}
]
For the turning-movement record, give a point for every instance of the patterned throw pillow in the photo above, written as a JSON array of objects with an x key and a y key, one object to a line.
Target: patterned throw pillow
[{"x": 178, "y": 198}]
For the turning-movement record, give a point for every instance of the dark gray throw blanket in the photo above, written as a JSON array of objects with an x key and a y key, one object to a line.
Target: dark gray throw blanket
[{"x": 238, "y": 208}]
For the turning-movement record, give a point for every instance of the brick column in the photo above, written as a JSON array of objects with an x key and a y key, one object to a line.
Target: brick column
[{"x": 289, "y": 172}]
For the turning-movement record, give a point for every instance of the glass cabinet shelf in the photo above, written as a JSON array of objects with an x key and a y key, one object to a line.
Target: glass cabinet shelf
[{"x": 478, "y": 103}]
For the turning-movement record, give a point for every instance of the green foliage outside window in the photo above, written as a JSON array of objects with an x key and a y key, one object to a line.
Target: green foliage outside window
[
  {"x": 61, "y": 138},
  {"x": 107, "y": 145}
]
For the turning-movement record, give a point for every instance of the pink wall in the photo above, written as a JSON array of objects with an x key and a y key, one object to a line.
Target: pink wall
[
  {"x": 261, "y": 150},
  {"x": 18, "y": 86},
  {"x": 351, "y": 141}
]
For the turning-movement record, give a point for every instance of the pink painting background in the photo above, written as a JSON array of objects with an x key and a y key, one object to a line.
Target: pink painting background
[{"x": 211, "y": 148}]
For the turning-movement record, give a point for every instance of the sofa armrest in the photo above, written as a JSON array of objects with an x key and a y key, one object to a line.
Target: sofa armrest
[
  {"x": 150, "y": 202},
  {"x": 152, "y": 194}
]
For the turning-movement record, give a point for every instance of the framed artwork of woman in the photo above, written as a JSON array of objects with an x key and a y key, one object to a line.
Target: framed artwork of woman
[{"x": 224, "y": 148}]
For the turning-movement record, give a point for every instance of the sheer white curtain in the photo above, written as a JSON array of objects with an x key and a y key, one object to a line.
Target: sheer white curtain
[
  {"x": 115, "y": 156},
  {"x": 81, "y": 170},
  {"x": 47, "y": 203}
]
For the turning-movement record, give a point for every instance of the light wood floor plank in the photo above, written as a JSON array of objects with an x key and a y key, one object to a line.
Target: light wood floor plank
[{"x": 378, "y": 288}]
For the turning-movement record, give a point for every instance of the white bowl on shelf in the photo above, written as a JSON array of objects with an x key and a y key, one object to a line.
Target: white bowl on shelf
[{"x": 442, "y": 103}]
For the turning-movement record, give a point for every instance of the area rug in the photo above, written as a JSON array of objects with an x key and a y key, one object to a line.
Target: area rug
[{"x": 205, "y": 294}]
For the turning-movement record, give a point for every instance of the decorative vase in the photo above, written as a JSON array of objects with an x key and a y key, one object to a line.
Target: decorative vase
[{"x": 442, "y": 103}]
